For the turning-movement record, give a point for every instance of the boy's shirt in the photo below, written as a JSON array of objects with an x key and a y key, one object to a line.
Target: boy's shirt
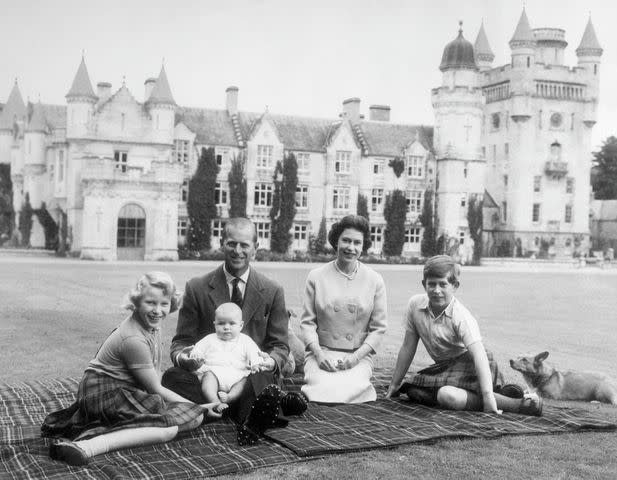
[{"x": 446, "y": 336}]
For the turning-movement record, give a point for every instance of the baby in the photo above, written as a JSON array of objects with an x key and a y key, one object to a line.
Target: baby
[{"x": 227, "y": 356}]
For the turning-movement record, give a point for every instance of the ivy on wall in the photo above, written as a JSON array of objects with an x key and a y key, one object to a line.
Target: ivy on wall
[{"x": 201, "y": 207}]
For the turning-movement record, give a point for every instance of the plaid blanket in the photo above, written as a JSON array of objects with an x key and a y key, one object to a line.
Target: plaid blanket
[{"x": 212, "y": 449}]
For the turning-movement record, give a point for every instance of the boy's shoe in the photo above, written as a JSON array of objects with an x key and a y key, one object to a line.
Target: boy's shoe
[
  {"x": 68, "y": 452},
  {"x": 511, "y": 390},
  {"x": 294, "y": 403},
  {"x": 531, "y": 404}
]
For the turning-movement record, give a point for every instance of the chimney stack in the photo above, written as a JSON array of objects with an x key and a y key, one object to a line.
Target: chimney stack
[
  {"x": 351, "y": 109},
  {"x": 379, "y": 113},
  {"x": 148, "y": 87},
  {"x": 103, "y": 91},
  {"x": 232, "y": 100}
]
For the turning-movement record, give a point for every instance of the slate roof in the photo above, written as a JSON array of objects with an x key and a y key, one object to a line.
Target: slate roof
[
  {"x": 14, "y": 107},
  {"x": 458, "y": 54},
  {"x": 523, "y": 31},
  {"x": 211, "y": 127},
  {"x": 82, "y": 87},
  {"x": 390, "y": 139},
  {"x": 36, "y": 122},
  {"x": 481, "y": 46},
  {"x": 589, "y": 43},
  {"x": 161, "y": 93}
]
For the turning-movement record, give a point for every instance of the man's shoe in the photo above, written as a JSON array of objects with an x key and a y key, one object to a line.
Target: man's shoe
[
  {"x": 294, "y": 403},
  {"x": 264, "y": 414}
]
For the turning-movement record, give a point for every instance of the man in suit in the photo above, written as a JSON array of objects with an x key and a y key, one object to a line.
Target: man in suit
[{"x": 263, "y": 313}]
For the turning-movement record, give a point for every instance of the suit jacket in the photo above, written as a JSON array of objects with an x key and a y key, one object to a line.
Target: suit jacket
[{"x": 263, "y": 313}]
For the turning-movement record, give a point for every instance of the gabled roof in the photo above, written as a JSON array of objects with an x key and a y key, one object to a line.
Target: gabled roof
[
  {"x": 37, "y": 121},
  {"x": 161, "y": 93},
  {"x": 481, "y": 47},
  {"x": 82, "y": 87},
  {"x": 211, "y": 127},
  {"x": 523, "y": 33},
  {"x": 390, "y": 139},
  {"x": 589, "y": 43},
  {"x": 14, "y": 108}
]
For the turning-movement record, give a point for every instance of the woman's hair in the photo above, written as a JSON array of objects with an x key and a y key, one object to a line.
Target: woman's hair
[
  {"x": 154, "y": 279},
  {"x": 357, "y": 222},
  {"x": 442, "y": 266}
]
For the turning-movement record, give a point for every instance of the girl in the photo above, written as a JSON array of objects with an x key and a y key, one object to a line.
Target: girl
[{"x": 120, "y": 400}]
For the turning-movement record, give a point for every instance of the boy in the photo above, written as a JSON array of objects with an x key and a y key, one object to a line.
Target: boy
[
  {"x": 227, "y": 356},
  {"x": 465, "y": 376}
]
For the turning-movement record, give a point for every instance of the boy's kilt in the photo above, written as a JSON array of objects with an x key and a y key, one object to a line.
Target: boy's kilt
[{"x": 106, "y": 404}]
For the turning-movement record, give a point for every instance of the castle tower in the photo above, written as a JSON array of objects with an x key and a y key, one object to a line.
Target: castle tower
[
  {"x": 81, "y": 100},
  {"x": 457, "y": 141},
  {"x": 482, "y": 50},
  {"x": 589, "y": 53},
  {"x": 161, "y": 105},
  {"x": 34, "y": 155},
  {"x": 13, "y": 114}
]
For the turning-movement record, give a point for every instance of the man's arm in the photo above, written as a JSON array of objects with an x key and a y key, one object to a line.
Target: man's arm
[
  {"x": 403, "y": 361},
  {"x": 276, "y": 338},
  {"x": 483, "y": 372},
  {"x": 188, "y": 325}
]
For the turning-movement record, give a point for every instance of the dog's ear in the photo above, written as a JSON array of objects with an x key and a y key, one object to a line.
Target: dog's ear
[{"x": 540, "y": 357}]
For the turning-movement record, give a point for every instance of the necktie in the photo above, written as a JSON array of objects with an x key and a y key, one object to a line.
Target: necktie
[{"x": 236, "y": 294}]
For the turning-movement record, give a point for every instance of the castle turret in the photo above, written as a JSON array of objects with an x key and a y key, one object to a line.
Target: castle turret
[
  {"x": 589, "y": 53},
  {"x": 81, "y": 100},
  {"x": 482, "y": 50},
  {"x": 161, "y": 105},
  {"x": 34, "y": 155},
  {"x": 523, "y": 44},
  {"x": 13, "y": 114},
  {"x": 458, "y": 106}
]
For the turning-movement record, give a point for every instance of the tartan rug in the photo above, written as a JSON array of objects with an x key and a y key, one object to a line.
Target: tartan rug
[{"x": 212, "y": 449}]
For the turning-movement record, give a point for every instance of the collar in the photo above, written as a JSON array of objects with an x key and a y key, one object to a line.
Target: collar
[
  {"x": 446, "y": 312},
  {"x": 229, "y": 277}
]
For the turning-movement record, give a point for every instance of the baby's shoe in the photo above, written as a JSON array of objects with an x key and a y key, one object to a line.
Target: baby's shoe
[
  {"x": 294, "y": 403},
  {"x": 531, "y": 404}
]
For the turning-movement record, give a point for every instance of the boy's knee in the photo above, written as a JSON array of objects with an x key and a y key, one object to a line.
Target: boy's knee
[{"x": 452, "y": 397}]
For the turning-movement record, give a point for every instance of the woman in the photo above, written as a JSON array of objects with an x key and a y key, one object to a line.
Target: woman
[
  {"x": 120, "y": 400},
  {"x": 344, "y": 319}
]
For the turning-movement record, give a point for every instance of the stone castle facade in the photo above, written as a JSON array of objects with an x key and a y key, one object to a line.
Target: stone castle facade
[{"x": 117, "y": 167}]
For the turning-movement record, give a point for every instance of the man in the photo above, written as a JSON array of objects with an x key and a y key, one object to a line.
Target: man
[{"x": 263, "y": 313}]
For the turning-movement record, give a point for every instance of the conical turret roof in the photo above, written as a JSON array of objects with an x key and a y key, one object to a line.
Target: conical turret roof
[
  {"x": 161, "y": 93},
  {"x": 82, "y": 87},
  {"x": 37, "y": 121},
  {"x": 458, "y": 54},
  {"x": 481, "y": 47},
  {"x": 15, "y": 108},
  {"x": 523, "y": 32},
  {"x": 589, "y": 43}
]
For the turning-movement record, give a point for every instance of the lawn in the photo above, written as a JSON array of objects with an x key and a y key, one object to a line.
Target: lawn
[{"x": 56, "y": 313}]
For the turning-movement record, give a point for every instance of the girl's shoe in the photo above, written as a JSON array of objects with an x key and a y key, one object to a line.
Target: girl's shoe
[
  {"x": 68, "y": 452},
  {"x": 531, "y": 404}
]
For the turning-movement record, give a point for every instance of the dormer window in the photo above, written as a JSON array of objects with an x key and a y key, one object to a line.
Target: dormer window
[
  {"x": 221, "y": 155},
  {"x": 414, "y": 164},
  {"x": 264, "y": 156},
  {"x": 343, "y": 161}
]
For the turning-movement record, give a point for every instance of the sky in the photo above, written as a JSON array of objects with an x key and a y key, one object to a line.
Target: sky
[{"x": 287, "y": 56}]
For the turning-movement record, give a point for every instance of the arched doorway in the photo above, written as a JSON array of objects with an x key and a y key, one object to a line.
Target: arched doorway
[{"x": 131, "y": 235}]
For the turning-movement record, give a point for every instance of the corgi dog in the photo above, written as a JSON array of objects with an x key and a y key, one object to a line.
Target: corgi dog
[{"x": 548, "y": 382}]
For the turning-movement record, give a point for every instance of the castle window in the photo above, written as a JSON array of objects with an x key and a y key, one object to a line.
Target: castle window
[
  {"x": 414, "y": 199},
  {"x": 342, "y": 163},
  {"x": 300, "y": 231},
  {"x": 263, "y": 230},
  {"x": 495, "y": 120},
  {"x": 378, "y": 166},
  {"x": 263, "y": 195},
  {"x": 506, "y": 151},
  {"x": 121, "y": 160},
  {"x": 595, "y": 69},
  {"x": 528, "y": 62},
  {"x": 264, "y": 156},
  {"x": 217, "y": 228},
  {"x": 463, "y": 200},
  {"x": 504, "y": 211},
  {"x": 183, "y": 225},
  {"x": 184, "y": 191},
  {"x": 555, "y": 151},
  {"x": 461, "y": 237},
  {"x": 568, "y": 215},
  {"x": 180, "y": 152},
  {"x": 60, "y": 169},
  {"x": 302, "y": 196},
  {"x": 505, "y": 180},
  {"x": 540, "y": 119},
  {"x": 412, "y": 236},
  {"x": 303, "y": 160},
  {"x": 535, "y": 213},
  {"x": 220, "y": 194},
  {"x": 221, "y": 155},
  {"x": 537, "y": 182},
  {"x": 569, "y": 185},
  {"x": 376, "y": 199},
  {"x": 377, "y": 237},
  {"x": 340, "y": 198},
  {"x": 414, "y": 165}
]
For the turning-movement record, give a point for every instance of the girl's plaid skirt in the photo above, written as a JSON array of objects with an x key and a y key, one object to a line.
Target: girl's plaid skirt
[
  {"x": 105, "y": 404},
  {"x": 457, "y": 372}
]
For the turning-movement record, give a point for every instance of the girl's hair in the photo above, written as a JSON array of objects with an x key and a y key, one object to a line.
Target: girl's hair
[
  {"x": 357, "y": 222},
  {"x": 442, "y": 266},
  {"x": 155, "y": 279}
]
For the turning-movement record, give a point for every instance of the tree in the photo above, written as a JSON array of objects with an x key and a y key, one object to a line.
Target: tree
[
  {"x": 283, "y": 209},
  {"x": 237, "y": 187},
  {"x": 475, "y": 222},
  {"x": 50, "y": 227},
  {"x": 428, "y": 246},
  {"x": 201, "y": 204},
  {"x": 604, "y": 181},
  {"x": 395, "y": 212},
  {"x": 25, "y": 221},
  {"x": 362, "y": 210},
  {"x": 319, "y": 245},
  {"x": 6, "y": 200}
]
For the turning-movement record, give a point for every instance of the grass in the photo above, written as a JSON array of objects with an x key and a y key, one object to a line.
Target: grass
[{"x": 57, "y": 312}]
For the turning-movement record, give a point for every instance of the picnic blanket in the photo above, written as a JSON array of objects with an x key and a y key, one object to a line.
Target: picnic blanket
[{"x": 212, "y": 449}]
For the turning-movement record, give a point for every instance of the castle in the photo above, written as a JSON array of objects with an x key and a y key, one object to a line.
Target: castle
[{"x": 115, "y": 169}]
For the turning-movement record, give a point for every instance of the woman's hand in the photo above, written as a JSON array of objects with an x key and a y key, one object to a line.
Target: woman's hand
[
  {"x": 490, "y": 404},
  {"x": 323, "y": 362},
  {"x": 348, "y": 362}
]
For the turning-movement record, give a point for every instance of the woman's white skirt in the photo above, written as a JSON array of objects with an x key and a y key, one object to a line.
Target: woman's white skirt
[{"x": 343, "y": 386}]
